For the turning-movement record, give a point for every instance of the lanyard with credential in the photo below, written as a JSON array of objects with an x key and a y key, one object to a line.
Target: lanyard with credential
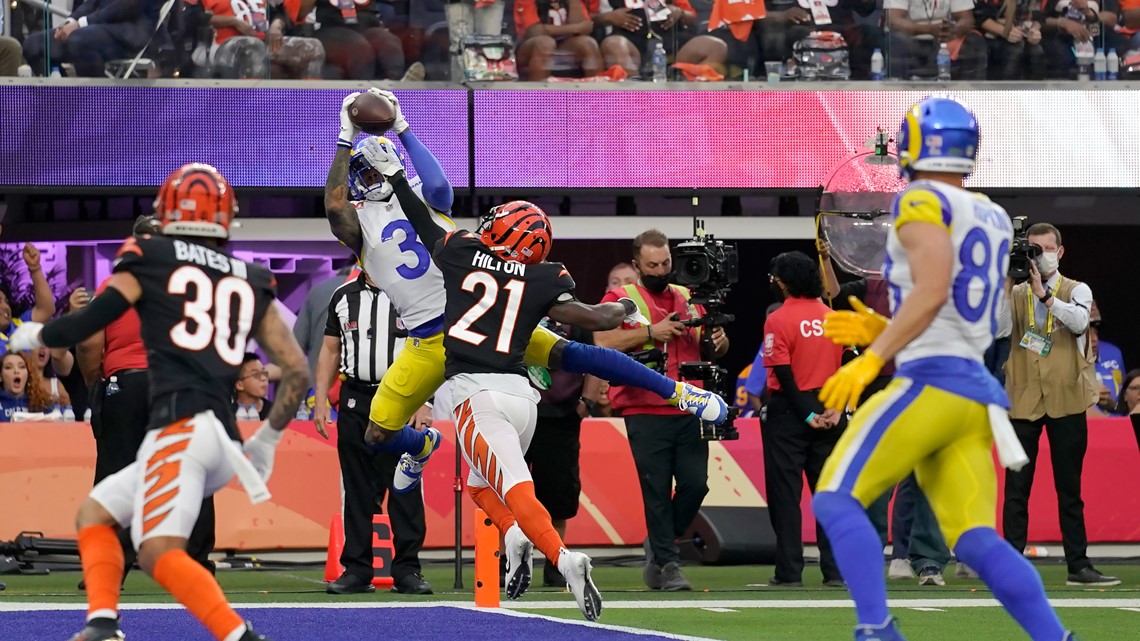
[{"x": 1033, "y": 307}]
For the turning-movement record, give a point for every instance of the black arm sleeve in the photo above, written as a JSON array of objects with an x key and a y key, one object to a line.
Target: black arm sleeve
[
  {"x": 804, "y": 404},
  {"x": 417, "y": 211},
  {"x": 73, "y": 328}
]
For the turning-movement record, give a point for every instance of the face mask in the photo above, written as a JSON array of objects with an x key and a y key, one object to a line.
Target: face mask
[
  {"x": 777, "y": 293},
  {"x": 655, "y": 284},
  {"x": 1047, "y": 263}
]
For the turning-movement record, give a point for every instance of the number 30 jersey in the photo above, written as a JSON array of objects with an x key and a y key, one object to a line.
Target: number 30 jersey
[
  {"x": 494, "y": 305},
  {"x": 981, "y": 233},
  {"x": 401, "y": 265},
  {"x": 198, "y": 308}
]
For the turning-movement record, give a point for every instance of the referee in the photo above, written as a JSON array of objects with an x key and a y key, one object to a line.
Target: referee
[
  {"x": 362, "y": 337},
  {"x": 798, "y": 435}
]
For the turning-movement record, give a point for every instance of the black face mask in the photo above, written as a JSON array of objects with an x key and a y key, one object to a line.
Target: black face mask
[
  {"x": 655, "y": 284},
  {"x": 777, "y": 293}
]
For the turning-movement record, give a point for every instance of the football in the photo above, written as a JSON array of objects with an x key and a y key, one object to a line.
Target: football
[{"x": 373, "y": 114}]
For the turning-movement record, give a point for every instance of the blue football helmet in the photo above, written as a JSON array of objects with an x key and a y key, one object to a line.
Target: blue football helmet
[
  {"x": 938, "y": 134},
  {"x": 364, "y": 181}
]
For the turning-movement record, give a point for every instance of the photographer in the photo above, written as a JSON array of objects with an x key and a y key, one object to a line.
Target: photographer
[
  {"x": 798, "y": 433},
  {"x": 665, "y": 441},
  {"x": 1050, "y": 378}
]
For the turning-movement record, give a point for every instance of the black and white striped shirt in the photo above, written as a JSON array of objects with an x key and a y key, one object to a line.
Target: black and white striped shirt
[{"x": 369, "y": 330}]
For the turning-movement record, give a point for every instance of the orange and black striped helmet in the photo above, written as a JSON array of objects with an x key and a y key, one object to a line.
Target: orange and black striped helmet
[
  {"x": 518, "y": 231},
  {"x": 196, "y": 200}
]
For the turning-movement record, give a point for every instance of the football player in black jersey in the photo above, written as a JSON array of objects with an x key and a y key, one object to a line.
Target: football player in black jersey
[{"x": 198, "y": 307}]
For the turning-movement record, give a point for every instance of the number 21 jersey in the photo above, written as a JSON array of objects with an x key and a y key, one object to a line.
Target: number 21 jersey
[
  {"x": 198, "y": 307},
  {"x": 493, "y": 305}
]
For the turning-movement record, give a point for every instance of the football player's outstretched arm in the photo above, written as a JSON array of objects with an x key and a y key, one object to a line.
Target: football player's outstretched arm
[
  {"x": 594, "y": 318},
  {"x": 341, "y": 214},
  {"x": 931, "y": 257},
  {"x": 274, "y": 337},
  {"x": 417, "y": 212},
  {"x": 436, "y": 188}
]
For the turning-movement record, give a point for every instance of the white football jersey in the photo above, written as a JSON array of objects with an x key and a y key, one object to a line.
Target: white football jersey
[
  {"x": 399, "y": 263},
  {"x": 981, "y": 233}
]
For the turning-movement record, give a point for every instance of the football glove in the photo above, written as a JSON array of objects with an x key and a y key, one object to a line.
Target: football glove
[
  {"x": 401, "y": 124},
  {"x": 348, "y": 129},
  {"x": 261, "y": 448},
  {"x": 845, "y": 387},
  {"x": 859, "y": 327},
  {"x": 26, "y": 337}
]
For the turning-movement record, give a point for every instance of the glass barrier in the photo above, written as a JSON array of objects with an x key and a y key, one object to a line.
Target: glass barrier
[{"x": 560, "y": 40}]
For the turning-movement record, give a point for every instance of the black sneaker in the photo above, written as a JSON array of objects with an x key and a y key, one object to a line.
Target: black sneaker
[
  {"x": 1090, "y": 577},
  {"x": 551, "y": 577},
  {"x": 349, "y": 584},
  {"x": 776, "y": 582},
  {"x": 250, "y": 635},
  {"x": 834, "y": 583},
  {"x": 413, "y": 583},
  {"x": 100, "y": 630},
  {"x": 652, "y": 572}
]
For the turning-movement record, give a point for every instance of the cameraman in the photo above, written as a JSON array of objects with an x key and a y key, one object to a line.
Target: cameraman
[
  {"x": 665, "y": 441},
  {"x": 1050, "y": 377}
]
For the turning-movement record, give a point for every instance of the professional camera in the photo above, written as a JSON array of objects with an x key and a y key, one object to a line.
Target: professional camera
[
  {"x": 1022, "y": 252},
  {"x": 708, "y": 267}
]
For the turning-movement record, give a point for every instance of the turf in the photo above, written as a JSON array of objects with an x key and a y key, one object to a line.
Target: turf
[{"x": 732, "y": 621}]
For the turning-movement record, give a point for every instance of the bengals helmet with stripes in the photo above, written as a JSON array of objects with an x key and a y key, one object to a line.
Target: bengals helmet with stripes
[
  {"x": 196, "y": 200},
  {"x": 518, "y": 231}
]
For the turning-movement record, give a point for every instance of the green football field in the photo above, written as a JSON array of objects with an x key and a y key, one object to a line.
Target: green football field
[{"x": 728, "y": 603}]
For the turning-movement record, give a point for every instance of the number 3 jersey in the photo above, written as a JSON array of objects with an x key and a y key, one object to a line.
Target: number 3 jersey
[
  {"x": 198, "y": 308},
  {"x": 949, "y": 353},
  {"x": 401, "y": 265},
  {"x": 494, "y": 305}
]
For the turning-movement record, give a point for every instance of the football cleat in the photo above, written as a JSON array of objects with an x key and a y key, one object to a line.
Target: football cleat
[
  {"x": 700, "y": 403},
  {"x": 250, "y": 635},
  {"x": 100, "y": 630},
  {"x": 576, "y": 568},
  {"x": 410, "y": 469},
  {"x": 885, "y": 631},
  {"x": 520, "y": 562}
]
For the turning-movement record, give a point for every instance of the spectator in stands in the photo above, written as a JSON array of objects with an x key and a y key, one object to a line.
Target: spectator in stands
[
  {"x": 46, "y": 361},
  {"x": 733, "y": 43},
  {"x": 1073, "y": 28},
  {"x": 467, "y": 17},
  {"x": 1109, "y": 367},
  {"x": 1012, "y": 30},
  {"x": 357, "y": 44},
  {"x": 791, "y": 20},
  {"x": 252, "y": 388},
  {"x": 621, "y": 274},
  {"x": 1130, "y": 401},
  {"x": 11, "y": 56},
  {"x": 98, "y": 31},
  {"x": 250, "y": 37},
  {"x": 630, "y": 30},
  {"x": 1130, "y": 34},
  {"x": 44, "y": 299},
  {"x": 918, "y": 27},
  {"x": 556, "y": 38},
  {"x": 22, "y": 388}
]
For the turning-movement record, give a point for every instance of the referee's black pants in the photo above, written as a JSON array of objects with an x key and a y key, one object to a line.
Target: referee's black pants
[
  {"x": 118, "y": 422},
  {"x": 367, "y": 476},
  {"x": 1068, "y": 441},
  {"x": 664, "y": 448},
  {"x": 792, "y": 449}
]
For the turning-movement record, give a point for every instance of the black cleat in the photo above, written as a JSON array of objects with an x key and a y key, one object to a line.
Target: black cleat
[
  {"x": 250, "y": 635},
  {"x": 100, "y": 630}
]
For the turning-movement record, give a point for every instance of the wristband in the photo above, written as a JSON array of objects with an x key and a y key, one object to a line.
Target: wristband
[
  {"x": 810, "y": 418},
  {"x": 341, "y": 142},
  {"x": 1045, "y": 299},
  {"x": 649, "y": 333}
]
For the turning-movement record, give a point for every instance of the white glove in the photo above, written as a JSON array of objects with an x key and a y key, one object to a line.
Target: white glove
[
  {"x": 348, "y": 130},
  {"x": 261, "y": 448},
  {"x": 635, "y": 317},
  {"x": 26, "y": 337},
  {"x": 401, "y": 124},
  {"x": 382, "y": 157}
]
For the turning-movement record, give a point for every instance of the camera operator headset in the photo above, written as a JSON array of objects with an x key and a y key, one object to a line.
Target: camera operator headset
[{"x": 665, "y": 441}]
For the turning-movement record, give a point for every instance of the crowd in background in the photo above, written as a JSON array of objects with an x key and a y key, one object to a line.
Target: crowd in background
[{"x": 456, "y": 40}]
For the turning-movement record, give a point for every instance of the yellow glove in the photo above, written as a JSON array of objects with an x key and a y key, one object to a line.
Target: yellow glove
[
  {"x": 844, "y": 388},
  {"x": 860, "y": 327}
]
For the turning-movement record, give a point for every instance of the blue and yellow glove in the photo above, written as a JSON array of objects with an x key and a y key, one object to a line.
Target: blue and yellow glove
[
  {"x": 859, "y": 327},
  {"x": 845, "y": 387}
]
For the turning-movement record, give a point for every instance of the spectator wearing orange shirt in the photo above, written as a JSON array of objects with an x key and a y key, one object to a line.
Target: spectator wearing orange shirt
[
  {"x": 249, "y": 37},
  {"x": 555, "y": 35},
  {"x": 733, "y": 42},
  {"x": 632, "y": 30}
]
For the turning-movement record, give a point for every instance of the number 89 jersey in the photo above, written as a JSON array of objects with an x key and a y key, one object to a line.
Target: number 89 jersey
[
  {"x": 400, "y": 264},
  {"x": 198, "y": 308},
  {"x": 981, "y": 234}
]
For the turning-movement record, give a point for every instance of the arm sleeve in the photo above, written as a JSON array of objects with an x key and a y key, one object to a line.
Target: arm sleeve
[
  {"x": 70, "y": 329},
  {"x": 417, "y": 212},
  {"x": 1074, "y": 315},
  {"x": 436, "y": 189},
  {"x": 804, "y": 404}
]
